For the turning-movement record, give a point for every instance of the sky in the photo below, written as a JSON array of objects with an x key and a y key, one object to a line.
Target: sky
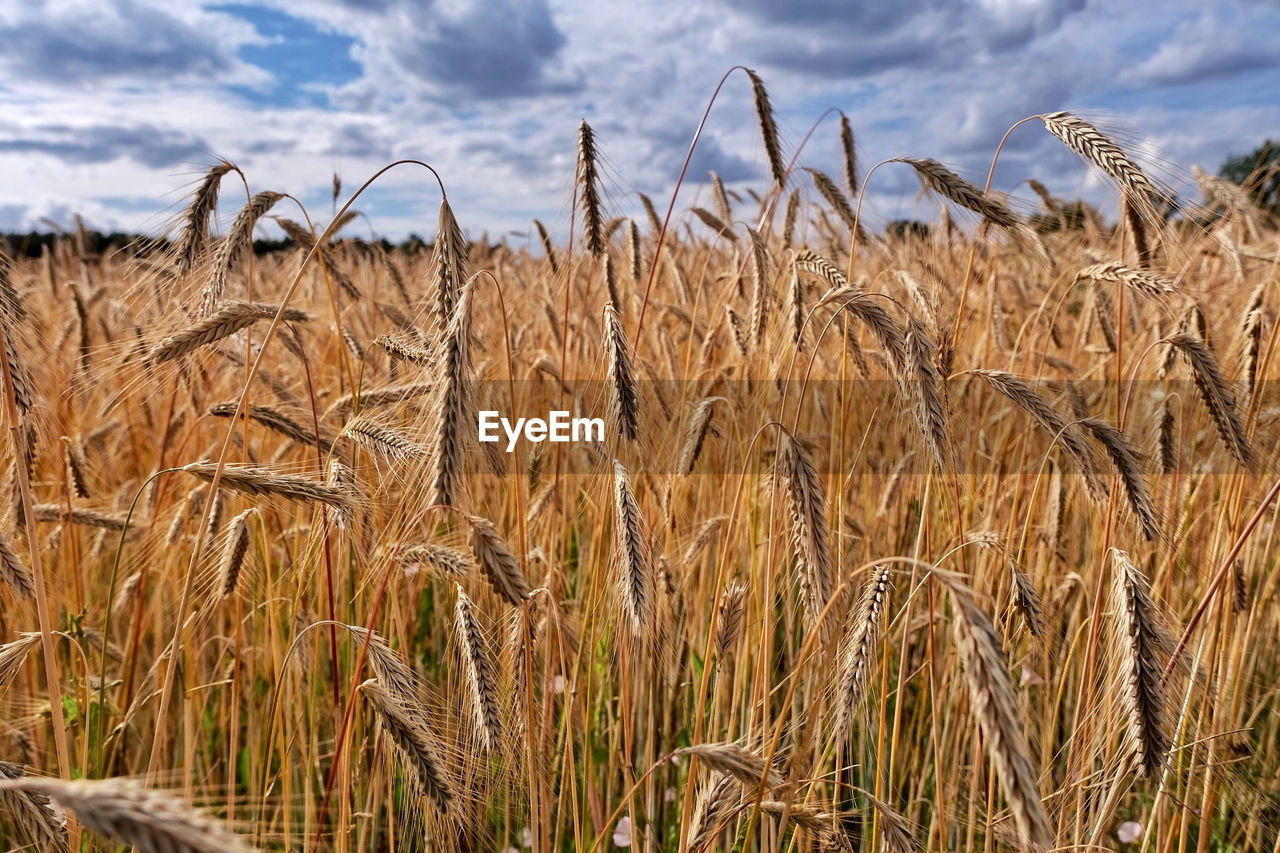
[{"x": 113, "y": 109}]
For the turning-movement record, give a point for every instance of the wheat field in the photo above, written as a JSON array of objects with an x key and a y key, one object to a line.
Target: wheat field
[{"x": 951, "y": 536}]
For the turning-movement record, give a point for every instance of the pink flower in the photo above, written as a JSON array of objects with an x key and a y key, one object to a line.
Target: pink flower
[
  {"x": 1129, "y": 831},
  {"x": 622, "y": 833}
]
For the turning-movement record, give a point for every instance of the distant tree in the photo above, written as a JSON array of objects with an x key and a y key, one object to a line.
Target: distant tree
[{"x": 1259, "y": 173}]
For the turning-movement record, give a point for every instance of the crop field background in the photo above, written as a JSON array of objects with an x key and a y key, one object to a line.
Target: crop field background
[{"x": 950, "y": 535}]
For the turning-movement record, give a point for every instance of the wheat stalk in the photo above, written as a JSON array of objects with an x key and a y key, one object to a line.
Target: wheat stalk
[
  {"x": 624, "y": 406},
  {"x": 449, "y": 261},
  {"x": 734, "y": 760},
  {"x": 1125, "y": 459},
  {"x": 195, "y": 230}
]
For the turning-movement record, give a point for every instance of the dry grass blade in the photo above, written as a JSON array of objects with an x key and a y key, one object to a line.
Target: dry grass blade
[
  {"x": 1139, "y": 666},
  {"x": 419, "y": 757},
  {"x": 810, "y": 540},
  {"x": 991, "y": 692},
  {"x": 478, "y": 671},
  {"x": 229, "y": 319},
  {"x": 1217, "y": 398},
  {"x": 124, "y": 811}
]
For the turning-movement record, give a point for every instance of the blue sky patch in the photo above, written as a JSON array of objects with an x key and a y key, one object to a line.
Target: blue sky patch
[{"x": 302, "y": 58}]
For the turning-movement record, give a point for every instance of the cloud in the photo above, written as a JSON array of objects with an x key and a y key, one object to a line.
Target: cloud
[
  {"x": 1204, "y": 49},
  {"x": 76, "y": 43},
  {"x": 836, "y": 39},
  {"x": 145, "y": 144},
  {"x": 132, "y": 96}
]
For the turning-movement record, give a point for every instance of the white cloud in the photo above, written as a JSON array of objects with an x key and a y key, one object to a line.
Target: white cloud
[{"x": 498, "y": 115}]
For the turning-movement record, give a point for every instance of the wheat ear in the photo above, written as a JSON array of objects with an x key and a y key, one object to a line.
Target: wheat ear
[
  {"x": 229, "y": 319},
  {"x": 810, "y": 540},
  {"x": 991, "y": 693},
  {"x": 478, "y": 671},
  {"x": 1217, "y": 398},
  {"x": 497, "y": 562},
  {"x": 589, "y": 190},
  {"x": 1139, "y": 666},
  {"x": 123, "y": 810},
  {"x": 238, "y": 239},
  {"x": 413, "y": 746}
]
